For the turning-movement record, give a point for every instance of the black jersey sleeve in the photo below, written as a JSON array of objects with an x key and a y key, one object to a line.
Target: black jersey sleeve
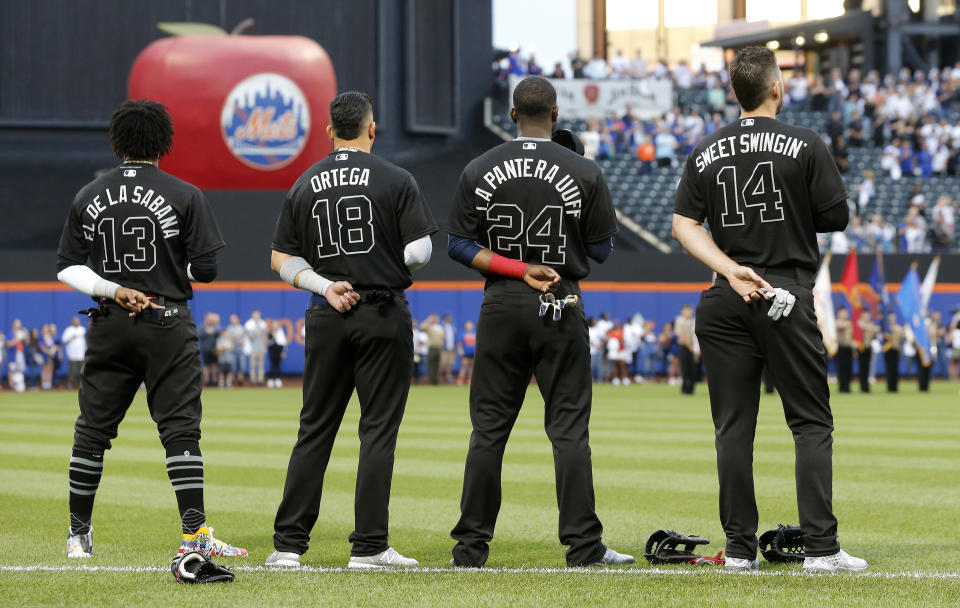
[
  {"x": 202, "y": 232},
  {"x": 823, "y": 178},
  {"x": 286, "y": 237},
  {"x": 73, "y": 245},
  {"x": 599, "y": 218},
  {"x": 413, "y": 217},
  {"x": 689, "y": 198},
  {"x": 465, "y": 219}
]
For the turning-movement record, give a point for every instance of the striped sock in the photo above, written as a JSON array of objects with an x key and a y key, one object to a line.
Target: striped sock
[
  {"x": 85, "y": 471},
  {"x": 185, "y": 470}
]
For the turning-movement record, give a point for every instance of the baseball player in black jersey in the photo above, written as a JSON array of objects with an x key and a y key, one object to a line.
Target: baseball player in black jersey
[
  {"x": 527, "y": 214},
  {"x": 766, "y": 189},
  {"x": 146, "y": 235},
  {"x": 351, "y": 230}
]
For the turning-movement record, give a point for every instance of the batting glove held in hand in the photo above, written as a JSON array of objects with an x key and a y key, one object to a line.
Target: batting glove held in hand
[{"x": 781, "y": 303}]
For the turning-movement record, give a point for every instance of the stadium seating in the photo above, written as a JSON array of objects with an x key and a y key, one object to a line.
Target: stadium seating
[{"x": 647, "y": 199}]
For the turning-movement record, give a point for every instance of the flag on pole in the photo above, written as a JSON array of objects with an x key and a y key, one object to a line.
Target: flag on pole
[
  {"x": 878, "y": 282},
  {"x": 927, "y": 288},
  {"x": 823, "y": 306},
  {"x": 850, "y": 279},
  {"x": 909, "y": 301}
]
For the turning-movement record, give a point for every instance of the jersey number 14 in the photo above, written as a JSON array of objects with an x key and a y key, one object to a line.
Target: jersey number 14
[{"x": 759, "y": 191}]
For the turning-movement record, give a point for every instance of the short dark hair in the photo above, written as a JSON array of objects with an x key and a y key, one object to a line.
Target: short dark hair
[
  {"x": 141, "y": 130},
  {"x": 752, "y": 72},
  {"x": 349, "y": 112},
  {"x": 534, "y": 97}
]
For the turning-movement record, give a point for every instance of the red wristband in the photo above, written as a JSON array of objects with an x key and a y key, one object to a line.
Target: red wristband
[{"x": 507, "y": 267}]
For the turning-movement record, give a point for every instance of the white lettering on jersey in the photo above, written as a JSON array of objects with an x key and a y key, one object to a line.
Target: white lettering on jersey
[
  {"x": 746, "y": 143},
  {"x": 518, "y": 168},
  {"x": 341, "y": 176}
]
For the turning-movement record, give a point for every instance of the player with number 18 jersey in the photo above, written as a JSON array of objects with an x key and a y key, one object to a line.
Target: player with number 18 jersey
[{"x": 352, "y": 228}]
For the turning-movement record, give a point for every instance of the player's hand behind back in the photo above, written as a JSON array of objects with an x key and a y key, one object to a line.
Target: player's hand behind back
[
  {"x": 341, "y": 296},
  {"x": 133, "y": 300},
  {"x": 748, "y": 284},
  {"x": 542, "y": 278}
]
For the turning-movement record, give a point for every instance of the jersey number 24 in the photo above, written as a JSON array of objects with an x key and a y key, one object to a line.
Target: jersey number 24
[
  {"x": 759, "y": 191},
  {"x": 507, "y": 233}
]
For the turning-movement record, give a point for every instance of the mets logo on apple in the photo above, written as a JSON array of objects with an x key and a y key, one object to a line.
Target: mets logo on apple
[{"x": 266, "y": 121}]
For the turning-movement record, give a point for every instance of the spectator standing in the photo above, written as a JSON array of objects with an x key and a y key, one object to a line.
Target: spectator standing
[
  {"x": 597, "y": 338},
  {"x": 620, "y": 66},
  {"x": 844, "y": 350},
  {"x": 208, "y": 335},
  {"x": 16, "y": 346},
  {"x": 74, "y": 341},
  {"x": 799, "y": 87},
  {"x": 226, "y": 358},
  {"x": 866, "y": 190},
  {"x": 591, "y": 140},
  {"x": 435, "y": 339},
  {"x": 420, "y": 352},
  {"x": 449, "y": 355},
  {"x": 666, "y": 145},
  {"x": 558, "y": 71},
  {"x": 35, "y": 359},
  {"x": 619, "y": 355},
  {"x": 52, "y": 355},
  {"x": 533, "y": 68},
  {"x": 467, "y": 349},
  {"x": 276, "y": 350},
  {"x": 256, "y": 335},
  {"x": 684, "y": 328},
  {"x": 237, "y": 334},
  {"x": 638, "y": 66}
]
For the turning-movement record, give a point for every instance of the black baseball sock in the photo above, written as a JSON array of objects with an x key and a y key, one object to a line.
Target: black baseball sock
[
  {"x": 185, "y": 470},
  {"x": 85, "y": 471}
]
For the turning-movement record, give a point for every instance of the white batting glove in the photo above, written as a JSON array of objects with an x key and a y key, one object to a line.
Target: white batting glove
[{"x": 781, "y": 303}]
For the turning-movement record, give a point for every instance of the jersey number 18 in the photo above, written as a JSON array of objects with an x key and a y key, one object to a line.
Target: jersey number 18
[{"x": 346, "y": 226}]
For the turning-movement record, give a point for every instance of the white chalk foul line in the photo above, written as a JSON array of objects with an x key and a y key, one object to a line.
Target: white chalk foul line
[{"x": 487, "y": 571}]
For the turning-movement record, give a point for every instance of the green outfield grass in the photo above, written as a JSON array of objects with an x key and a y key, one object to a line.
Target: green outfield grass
[{"x": 896, "y": 494}]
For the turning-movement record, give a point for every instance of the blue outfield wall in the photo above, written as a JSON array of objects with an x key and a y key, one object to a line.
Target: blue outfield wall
[{"x": 37, "y": 307}]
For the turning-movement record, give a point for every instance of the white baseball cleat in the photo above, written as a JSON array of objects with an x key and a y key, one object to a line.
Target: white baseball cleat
[
  {"x": 283, "y": 559},
  {"x": 838, "y": 562},
  {"x": 80, "y": 545},
  {"x": 740, "y": 564},
  {"x": 388, "y": 559},
  {"x": 612, "y": 558}
]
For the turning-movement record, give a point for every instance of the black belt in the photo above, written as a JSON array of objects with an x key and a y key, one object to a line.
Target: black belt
[
  {"x": 788, "y": 272},
  {"x": 171, "y": 308},
  {"x": 368, "y": 295}
]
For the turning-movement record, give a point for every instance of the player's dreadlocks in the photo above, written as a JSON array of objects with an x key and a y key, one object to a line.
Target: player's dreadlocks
[
  {"x": 349, "y": 112},
  {"x": 534, "y": 97},
  {"x": 752, "y": 72},
  {"x": 141, "y": 130}
]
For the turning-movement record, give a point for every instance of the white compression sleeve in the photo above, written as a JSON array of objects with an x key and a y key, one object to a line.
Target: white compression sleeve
[
  {"x": 85, "y": 280},
  {"x": 417, "y": 254},
  {"x": 309, "y": 280}
]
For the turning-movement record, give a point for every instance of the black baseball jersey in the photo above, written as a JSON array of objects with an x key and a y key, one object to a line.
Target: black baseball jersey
[
  {"x": 350, "y": 216},
  {"x": 536, "y": 201},
  {"x": 759, "y": 183},
  {"x": 140, "y": 226}
]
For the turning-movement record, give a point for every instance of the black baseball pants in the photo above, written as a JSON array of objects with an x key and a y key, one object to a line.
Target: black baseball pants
[
  {"x": 368, "y": 348},
  {"x": 863, "y": 368},
  {"x": 124, "y": 352},
  {"x": 687, "y": 370},
  {"x": 513, "y": 343},
  {"x": 844, "y": 368},
  {"x": 737, "y": 340},
  {"x": 891, "y": 360}
]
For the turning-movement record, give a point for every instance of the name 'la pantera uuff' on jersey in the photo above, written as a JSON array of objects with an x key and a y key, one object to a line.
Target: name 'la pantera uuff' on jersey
[
  {"x": 763, "y": 141},
  {"x": 154, "y": 202},
  {"x": 516, "y": 168}
]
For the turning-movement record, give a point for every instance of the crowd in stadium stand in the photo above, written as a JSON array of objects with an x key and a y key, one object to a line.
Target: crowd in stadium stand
[
  {"x": 908, "y": 121},
  {"x": 251, "y": 353}
]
